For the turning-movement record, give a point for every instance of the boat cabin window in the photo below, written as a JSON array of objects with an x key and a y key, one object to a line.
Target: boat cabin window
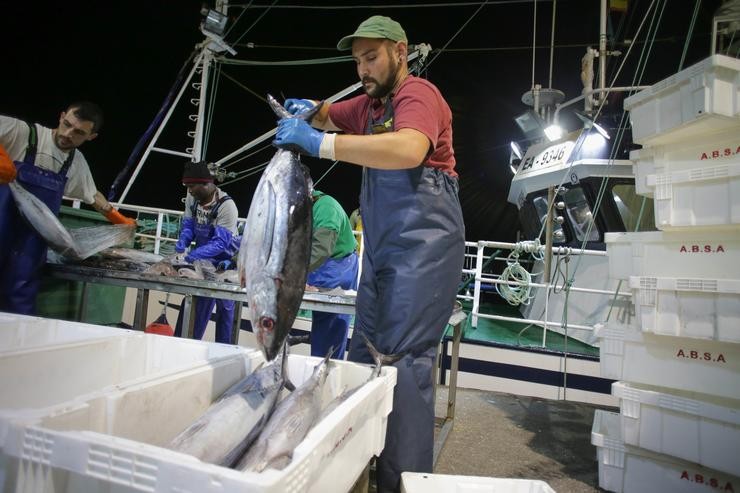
[
  {"x": 580, "y": 216},
  {"x": 632, "y": 206},
  {"x": 540, "y": 204}
]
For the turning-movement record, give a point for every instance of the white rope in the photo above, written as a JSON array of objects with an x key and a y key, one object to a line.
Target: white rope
[{"x": 519, "y": 293}]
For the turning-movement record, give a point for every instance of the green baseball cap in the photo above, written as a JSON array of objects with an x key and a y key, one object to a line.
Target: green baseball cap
[{"x": 377, "y": 26}]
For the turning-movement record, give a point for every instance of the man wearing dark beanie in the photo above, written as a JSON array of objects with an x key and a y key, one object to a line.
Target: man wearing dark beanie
[{"x": 209, "y": 221}]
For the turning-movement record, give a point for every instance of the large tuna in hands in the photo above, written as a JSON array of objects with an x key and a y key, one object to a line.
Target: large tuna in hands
[{"x": 276, "y": 246}]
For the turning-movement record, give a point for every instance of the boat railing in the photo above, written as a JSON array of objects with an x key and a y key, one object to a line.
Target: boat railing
[
  {"x": 476, "y": 260},
  {"x": 159, "y": 234}
]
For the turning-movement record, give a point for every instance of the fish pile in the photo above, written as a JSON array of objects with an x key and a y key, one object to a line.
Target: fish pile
[
  {"x": 233, "y": 422},
  {"x": 249, "y": 429},
  {"x": 75, "y": 244},
  {"x": 245, "y": 429},
  {"x": 276, "y": 245},
  {"x": 134, "y": 260}
]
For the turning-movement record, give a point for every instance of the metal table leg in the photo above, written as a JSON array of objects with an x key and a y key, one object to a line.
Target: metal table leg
[
  {"x": 235, "y": 328},
  {"x": 456, "y": 321},
  {"x": 188, "y": 314},
  {"x": 142, "y": 307},
  {"x": 83, "y": 303}
]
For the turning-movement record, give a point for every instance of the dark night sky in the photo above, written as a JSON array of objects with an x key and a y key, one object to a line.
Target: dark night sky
[{"x": 126, "y": 56}]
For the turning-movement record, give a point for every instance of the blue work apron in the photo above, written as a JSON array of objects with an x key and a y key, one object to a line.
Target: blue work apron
[
  {"x": 204, "y": 306},
  {"x": 331, "y": 329},
  {"x": 414, "y": 244},
  {"x": 22, "y": 250}
]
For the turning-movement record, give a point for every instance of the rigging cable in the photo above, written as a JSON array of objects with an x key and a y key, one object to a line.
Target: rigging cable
[
  {"x": 552, "y": 39},
  {"x": 256, "y": 21},
  {"x": 534, "y": 39},
  {"x": 691, "y": 31},
  {"x": 426, "y": 67},
  {"x": 389, "y": 6},
  {"x": 636, "y": 79},
  {"x": 163, "y": 109},
  {"x": 216, "y": 78}
]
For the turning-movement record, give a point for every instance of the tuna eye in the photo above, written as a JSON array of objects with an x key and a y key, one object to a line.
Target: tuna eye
[{"x": 267, "y": 323}]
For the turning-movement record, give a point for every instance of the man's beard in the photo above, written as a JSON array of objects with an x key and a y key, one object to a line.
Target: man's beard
[
  {"x": 65, "y": 147},
  {"x": 384, "y": 89}
]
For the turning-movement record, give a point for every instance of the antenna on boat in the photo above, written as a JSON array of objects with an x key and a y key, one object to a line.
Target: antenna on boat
[
  {"x": 212, "y": 27},
  {"x": 543, "y": 100}
]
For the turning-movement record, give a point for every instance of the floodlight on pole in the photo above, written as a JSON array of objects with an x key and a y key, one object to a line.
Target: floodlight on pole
[
  {"x": 554, "y": 132},
  {"x": 589, "y": 123}
]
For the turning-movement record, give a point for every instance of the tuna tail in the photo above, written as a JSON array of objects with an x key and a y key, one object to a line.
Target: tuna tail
[
  {"x": 380, "y": 358},
  {"x": 280, "y": 110},
  {"x": 284, "y": 368}
]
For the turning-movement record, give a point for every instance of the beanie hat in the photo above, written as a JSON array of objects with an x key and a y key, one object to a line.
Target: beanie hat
[
  {"x": 377, "y": 26},
  {"x": 196, "y": 173}
]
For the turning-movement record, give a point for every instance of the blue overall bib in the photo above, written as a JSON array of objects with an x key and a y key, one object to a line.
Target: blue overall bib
[
  {"x": 414, "y": 244},
  {"x": 22, "y": 250},
  {"x": 331, "y": 329},
  {"x": 204, "y": 306}
]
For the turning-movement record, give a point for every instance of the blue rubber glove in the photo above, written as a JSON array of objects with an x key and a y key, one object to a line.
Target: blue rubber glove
[
  {"x": 296, "y": 135},
  {"x": 217, "y": 245},
  {"x": 187, "y": 234},
  {"x": 224, "y": 265},
  {"x": 298, "y": 106}
]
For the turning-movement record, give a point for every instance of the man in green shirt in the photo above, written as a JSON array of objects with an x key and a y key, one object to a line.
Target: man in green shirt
[{"x": 333, "y": 264}]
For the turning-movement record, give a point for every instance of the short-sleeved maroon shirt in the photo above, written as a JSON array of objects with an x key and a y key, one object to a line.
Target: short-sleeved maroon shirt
[{"x": 417, "y": 104}]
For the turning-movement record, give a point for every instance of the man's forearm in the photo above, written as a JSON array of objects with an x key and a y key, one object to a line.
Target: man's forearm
[{"x": 404, "y": 149}]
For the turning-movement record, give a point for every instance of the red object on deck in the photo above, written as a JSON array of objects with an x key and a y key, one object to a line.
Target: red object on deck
[{"x": 160, "y": 326}]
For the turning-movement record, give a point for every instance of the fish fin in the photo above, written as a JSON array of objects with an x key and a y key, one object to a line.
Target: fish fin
[
  {"x": 284, "y": 367},
  {"x": 380, "y": 358},
  {"x": 279, "y": 462}
]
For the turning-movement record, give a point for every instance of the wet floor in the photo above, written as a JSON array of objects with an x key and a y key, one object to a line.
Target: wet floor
[{"x": 509, "y": 436}]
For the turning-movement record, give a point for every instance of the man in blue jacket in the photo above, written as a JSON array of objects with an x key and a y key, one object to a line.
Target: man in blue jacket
[{"x": 210, "y": 221}]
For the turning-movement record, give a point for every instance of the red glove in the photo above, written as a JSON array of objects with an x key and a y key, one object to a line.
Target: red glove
[
  {"x": 7, "y": 168},
  {"x": 117, "y": 218}
]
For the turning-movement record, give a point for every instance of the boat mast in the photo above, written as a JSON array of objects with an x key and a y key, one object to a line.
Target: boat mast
[{"x": 212, "y": 28}]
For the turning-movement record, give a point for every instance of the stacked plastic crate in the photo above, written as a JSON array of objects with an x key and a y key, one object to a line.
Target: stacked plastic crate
[
  {"x": 678, "y": 361},
  {"x": 85, "y": 408}
]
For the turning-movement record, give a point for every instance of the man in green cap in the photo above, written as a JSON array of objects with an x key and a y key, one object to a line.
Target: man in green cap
[{"x": 400, "y": 131}]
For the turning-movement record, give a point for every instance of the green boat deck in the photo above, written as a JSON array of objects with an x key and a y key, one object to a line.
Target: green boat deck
[{"x": 506, "y": 333}]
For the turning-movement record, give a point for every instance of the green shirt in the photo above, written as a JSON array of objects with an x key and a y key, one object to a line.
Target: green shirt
[{"x": 332, "y": 233}]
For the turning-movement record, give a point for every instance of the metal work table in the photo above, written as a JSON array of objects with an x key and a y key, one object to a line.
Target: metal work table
[
  {"x": 144, "y": 283},
  {"x": 326, "y": 302}
]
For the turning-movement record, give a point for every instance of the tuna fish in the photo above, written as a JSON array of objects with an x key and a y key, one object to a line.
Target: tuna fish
[
  {"x": 131, "y": 254},
  {"x": 42, "y": 220},
  {"x": 380, "y": 360},
  {"x": 276, "y": 245},
  {"x": 231, "y": 424},
  {"x": 75, "y": 244},
  {"x": 162, "y": 268},
  {"x": 291, "y": 421}
]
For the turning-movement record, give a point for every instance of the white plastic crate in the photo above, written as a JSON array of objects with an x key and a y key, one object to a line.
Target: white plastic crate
[
  {"x": 697, "y": 308},
  {"x": 635, "y": 470},
  {"x": 693, "y": 365},
  {"x": 697, "y": 197},
  {"x": 416, "y": 482},
  {"x": 90, "y": 384},
  {"x": 686, "y": 425},
  {"x": 698, "y": 100},
  {"x": 706, "y": 151},
  {"x": 686, "y": 254},
  {"x": 23, "y": 331},
  {"x": 330, "y": 458}
]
